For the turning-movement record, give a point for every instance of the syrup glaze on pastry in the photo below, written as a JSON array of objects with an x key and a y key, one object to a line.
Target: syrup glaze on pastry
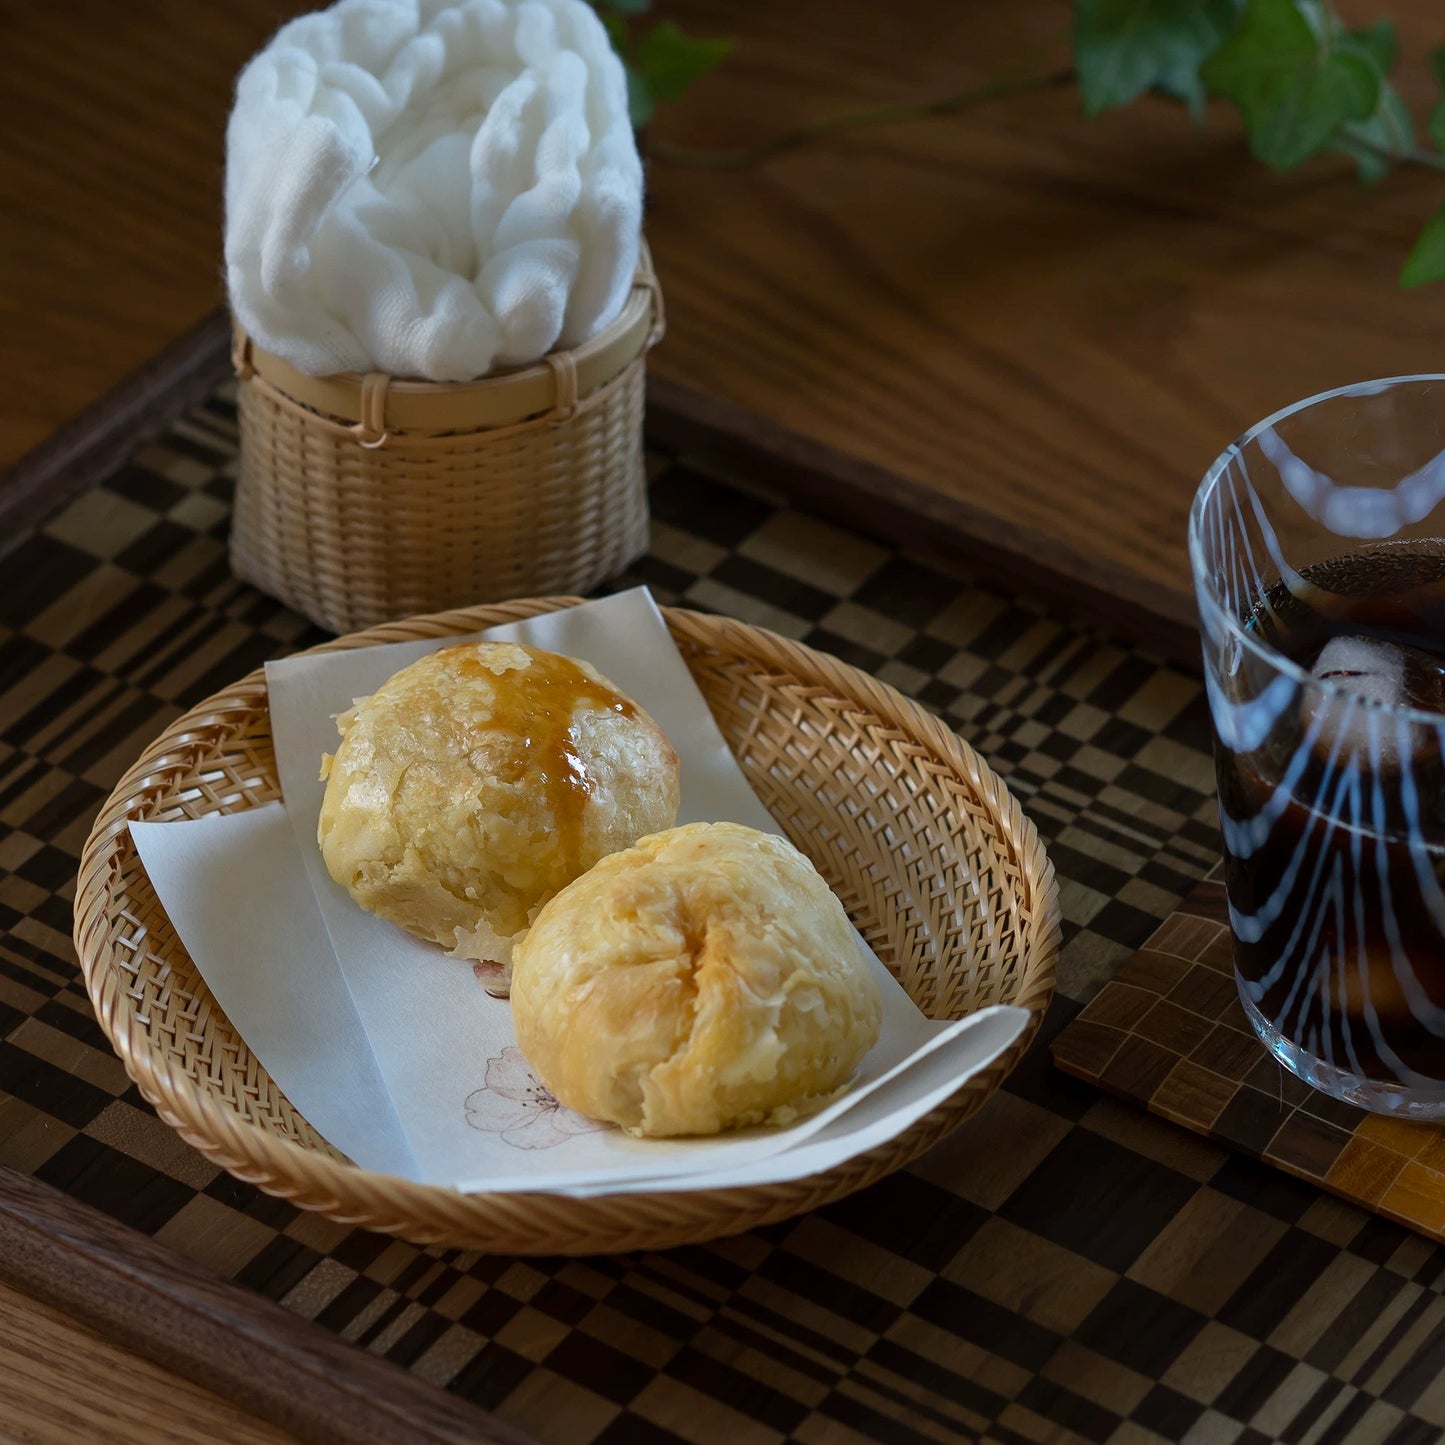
[
  {"x": 476, "y": 782},
  {"x": 704, "y": 979}
]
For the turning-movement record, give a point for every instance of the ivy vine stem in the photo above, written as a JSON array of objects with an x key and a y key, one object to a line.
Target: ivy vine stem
[
  {"x": 1303, "y": 81},
  {"x": 1411, "y": 156},
  {"x": 744, "y": 157}
]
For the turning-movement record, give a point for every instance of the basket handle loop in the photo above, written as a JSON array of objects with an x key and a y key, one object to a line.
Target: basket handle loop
[
  {"x": 241, "y": 355},
  {"x": 647, "y": 280},
  {"x": 564, "y": 386},
  {"x": 370, "y": 431}
]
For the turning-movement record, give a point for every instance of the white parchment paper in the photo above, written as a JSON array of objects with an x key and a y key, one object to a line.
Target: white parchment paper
[{"x": 392, "y": 1049}]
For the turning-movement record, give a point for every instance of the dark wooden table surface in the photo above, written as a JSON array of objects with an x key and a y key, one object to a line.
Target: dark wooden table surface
[
  {"x": 1018, "y": 334},
  {"x": 1035, "y": 330},
  {"x": 106, "y": 1335}
]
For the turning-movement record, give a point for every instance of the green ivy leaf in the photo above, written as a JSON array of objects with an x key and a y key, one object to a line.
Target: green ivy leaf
[
  {"x": 1376, "y": 143},
  {"x": 1427, "y": 261},
  {"x": 1124, "y": 47},
  {"x": 1294, "y": 89},
  {"x": 665, "y": 62},
  {"x": 1181, "y": 82},
  {"x": 1379, "y": 45},
  {"x": 1435, "y": 126},
  {"x": 639, "y": 100},
  {"x": 1390, "y": 130},
  {"x": 624, "y": 7},
  {"x": 617, "y": 33}
]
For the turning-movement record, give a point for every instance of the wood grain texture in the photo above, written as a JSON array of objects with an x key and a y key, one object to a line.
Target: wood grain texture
[
  {"x": 1017, "y": 335},
  {"x": 110, "y": 185},
  {"x": 724, "y": 440},
  {"x": 1168, "y": 1033},
  {"x": 91, "y": 444},
  {"x": 156, "y": 1305},
  {"x": 1052, "y": 325},
  {"x": 982, "y": 1264},
  {"x": 60, "y": 1382}
]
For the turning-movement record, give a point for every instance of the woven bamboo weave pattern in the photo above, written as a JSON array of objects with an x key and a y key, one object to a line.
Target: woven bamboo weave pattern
[
  {"x": 364, "y": 498},
  {"x": 933, "y": 857}
]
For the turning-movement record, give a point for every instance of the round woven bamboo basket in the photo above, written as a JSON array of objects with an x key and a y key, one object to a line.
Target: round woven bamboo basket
[
  {"x": 365, "y": 498},
  {"x": 932, "y": 856}
]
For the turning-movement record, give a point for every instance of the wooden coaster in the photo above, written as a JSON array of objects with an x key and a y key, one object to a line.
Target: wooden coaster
[{"x": 1168, "y": 1033}]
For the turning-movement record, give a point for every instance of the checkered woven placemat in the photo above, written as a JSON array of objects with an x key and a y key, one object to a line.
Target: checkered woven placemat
[
  {"x": 1065, "y": 1268},
  {"x": 1169, "y": 1033}
]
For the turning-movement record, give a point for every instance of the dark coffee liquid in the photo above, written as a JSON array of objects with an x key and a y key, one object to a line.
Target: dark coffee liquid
[{"x": 1335, "y": 824}]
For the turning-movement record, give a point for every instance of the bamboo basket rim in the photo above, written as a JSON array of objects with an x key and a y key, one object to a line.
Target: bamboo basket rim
[
  {"x": 536, "y": 1223},
  {"x": 551, "y": 391}
]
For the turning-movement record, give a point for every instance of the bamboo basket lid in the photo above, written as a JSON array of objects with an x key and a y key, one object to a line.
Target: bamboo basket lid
[{"x": 930, "y": 853}]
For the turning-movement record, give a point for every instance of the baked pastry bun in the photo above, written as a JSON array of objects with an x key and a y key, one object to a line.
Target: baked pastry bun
[
  {"x": 476, "y": 782},
  {"x": 704, "y": 979}
]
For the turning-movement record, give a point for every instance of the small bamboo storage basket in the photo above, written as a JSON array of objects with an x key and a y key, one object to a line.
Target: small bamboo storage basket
[
  {"x": 365, "y": 498},
  {"x": 932, "y": 856}
]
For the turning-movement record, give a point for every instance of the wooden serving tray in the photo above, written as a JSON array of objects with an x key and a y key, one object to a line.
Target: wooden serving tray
[
  {"x": 103, "y": 1328},
  {"x": 1168, "y": 1033}
]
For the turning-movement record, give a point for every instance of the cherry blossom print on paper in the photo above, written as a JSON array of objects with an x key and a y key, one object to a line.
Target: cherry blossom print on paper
[{"x": 515, "y": 1104}]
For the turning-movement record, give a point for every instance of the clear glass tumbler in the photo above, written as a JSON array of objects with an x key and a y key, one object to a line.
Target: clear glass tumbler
[{"x": 1317, "y": 543}]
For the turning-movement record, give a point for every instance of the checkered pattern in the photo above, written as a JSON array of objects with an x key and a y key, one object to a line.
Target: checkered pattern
[
  {"x": 1169, "y": 1033},
  {"x": 1064, "y": 1268}
]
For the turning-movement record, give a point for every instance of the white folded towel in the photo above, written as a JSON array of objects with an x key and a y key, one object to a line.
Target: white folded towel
[{"x": 431, "y": 189}]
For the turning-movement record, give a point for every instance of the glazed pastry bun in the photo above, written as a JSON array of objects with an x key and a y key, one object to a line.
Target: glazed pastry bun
[
  {"x": 478, "y": 781},
  {"x": 704, "y": 979}
]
